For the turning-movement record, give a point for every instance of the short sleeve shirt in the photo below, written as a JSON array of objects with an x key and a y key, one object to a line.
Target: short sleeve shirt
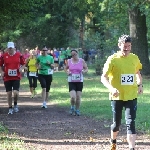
[
  {"x": 45, "y": 68},
  {"x": 68, "y": 51},
  {"x": 11, "y": 64},
  {"x": 122, "y": 75}
]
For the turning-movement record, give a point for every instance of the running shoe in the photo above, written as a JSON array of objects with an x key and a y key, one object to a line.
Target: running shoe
[
  {"x": 10, "y": 111},
  {"x": 16, "y": 108},
  {"x": 25, "y": 74},
  {"x": 72, "y": 111},
  {"x": 32, "y": 95},
  {"x": 35, "y": 92},
  {"x": 77, "y": 112},
  {"x": 113, "y": 146},
  {"x": 44, "y": 105}
]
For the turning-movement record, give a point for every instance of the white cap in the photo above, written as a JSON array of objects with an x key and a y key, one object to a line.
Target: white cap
[{"x": 10, "y": 45}]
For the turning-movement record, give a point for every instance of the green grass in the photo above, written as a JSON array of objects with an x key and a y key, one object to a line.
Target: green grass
[
  {"x": 9, "y": 142},
  {"x": 94, "y": 104}
]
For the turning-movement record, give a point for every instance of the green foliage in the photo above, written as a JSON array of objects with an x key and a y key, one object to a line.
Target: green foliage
[
  {"x": 13, "y": 14},
  {"x": 9, "y": 142},
  {"x": 55, "y": 23},
  {"x": 15, "y": 10},
  {"x": 3, "y": 129},
  {"x": 93, "y": 40}
]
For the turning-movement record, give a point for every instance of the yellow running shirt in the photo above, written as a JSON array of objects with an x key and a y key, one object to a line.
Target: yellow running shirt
[
  {"x": 32, "y": 65},
  {"x": 122, "y": 75}
]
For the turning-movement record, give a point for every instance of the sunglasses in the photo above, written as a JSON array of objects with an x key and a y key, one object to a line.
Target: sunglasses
[{"x": 73, "y": 55}]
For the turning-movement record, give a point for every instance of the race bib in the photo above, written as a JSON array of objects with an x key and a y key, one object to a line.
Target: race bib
[
  {"x": 56, "y": 59},
  {"x": 50, "y": 71},
  {"x": 33, "y": 74},
  {"x": 12, "y": 72},
  {"x": 127, "y": 79},
  {"x": 76, "y": 77}
]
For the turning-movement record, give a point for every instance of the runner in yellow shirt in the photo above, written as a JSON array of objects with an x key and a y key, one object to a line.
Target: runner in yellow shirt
[
  {"x": 122, "y": 77},
  {"x": 32, "y": 72}
]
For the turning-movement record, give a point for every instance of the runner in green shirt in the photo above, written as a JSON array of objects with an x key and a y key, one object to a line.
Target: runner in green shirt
[
  {"x": 68, "y": 52},
  {"x": 45, "y": 64}
]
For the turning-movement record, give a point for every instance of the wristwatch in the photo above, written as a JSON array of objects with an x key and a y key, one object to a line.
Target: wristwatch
[{"x": 140, "y": 85}]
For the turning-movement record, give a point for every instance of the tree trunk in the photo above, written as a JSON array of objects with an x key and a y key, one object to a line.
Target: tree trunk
[
  {"x": 138, "y": 33},
  {"x": 81, "y": 34}
]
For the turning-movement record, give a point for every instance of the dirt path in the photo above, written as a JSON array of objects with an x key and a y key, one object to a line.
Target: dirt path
[{"x": 54, "y": 129}]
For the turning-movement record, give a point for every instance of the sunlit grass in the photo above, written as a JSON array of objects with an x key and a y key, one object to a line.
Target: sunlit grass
[{"x": 9, "y": 142}]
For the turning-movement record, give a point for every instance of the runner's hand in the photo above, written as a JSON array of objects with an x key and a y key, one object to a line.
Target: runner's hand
[
  {"x": 83, "y": 71},
  {"x": 2, "y": 74},
  {"x": 48, "y": 62},
  {"x": 140, "y": 89},
  {"x": 115, "y": 92},
  {"x": 68, "y": 73},
  {"x": 39, "y": 66},
  {"x": 20, "y": 70},
  {"x": 26, "y": 68}
]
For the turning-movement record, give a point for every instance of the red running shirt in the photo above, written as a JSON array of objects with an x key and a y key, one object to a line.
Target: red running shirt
[{"x": 11, "y": 65}]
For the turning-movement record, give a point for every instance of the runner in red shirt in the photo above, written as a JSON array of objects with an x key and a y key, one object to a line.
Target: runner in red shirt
[{"x": 11, "y": 65}]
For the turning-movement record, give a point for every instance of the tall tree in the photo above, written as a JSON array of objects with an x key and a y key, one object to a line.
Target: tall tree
[
  {"x": 137, "y": 12},
  {"x": 138, "y": 32},
  {"x": 12, "y": 13}
]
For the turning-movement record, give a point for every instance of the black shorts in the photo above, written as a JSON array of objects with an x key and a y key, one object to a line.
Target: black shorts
[
  {"x": 32, "y": 81},
  {"x": 12, "y": 85},
  {"x": 130, "y": 114},
  {"x": 76, "y": 86},
  {"x": 56, "y": 61},
  {"x": 45, "y": 81}
]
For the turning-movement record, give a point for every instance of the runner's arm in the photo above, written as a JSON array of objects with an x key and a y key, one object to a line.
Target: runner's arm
[
  {"x": 139, "y": 82},
  {"x": 85, "y": 68},
  {"x": 66, "y": 68},
  {"x": 106, "y": 83},
  {"x": 139, "y": 78},
  {"x": 1, "y": 71},
  {"x": 22, "y": 68},
  {"x": 51, "y": 63},
  {"x": 38, "y": 66},
  {"x": 1, "y": 66}
]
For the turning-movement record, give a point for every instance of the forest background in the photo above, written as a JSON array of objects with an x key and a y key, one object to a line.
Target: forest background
[{"x": 86, "y": 24}]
